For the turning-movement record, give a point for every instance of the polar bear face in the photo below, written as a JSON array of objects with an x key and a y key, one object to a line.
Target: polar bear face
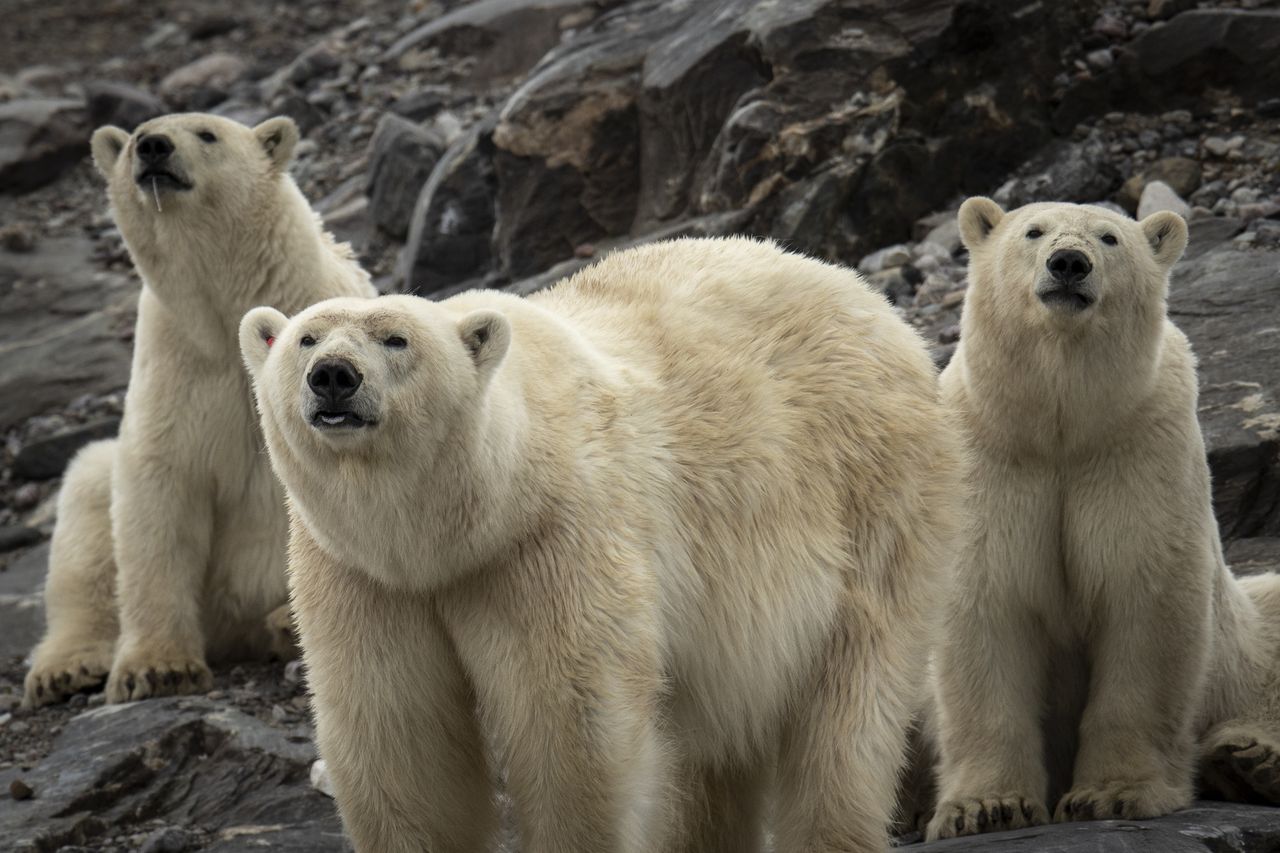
[
  {"x": 1067, "y": 264},
  {"x": 371, "y": 375},
  {"x": 188, "y": 165}
]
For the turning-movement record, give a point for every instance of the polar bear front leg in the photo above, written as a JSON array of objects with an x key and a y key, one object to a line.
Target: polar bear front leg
[
  {"x": 991, "y": 674},
  {"x": 569, "y": 689},
  {"x": 1136, "y": 743},
  {"x": 162, "y": 522}
]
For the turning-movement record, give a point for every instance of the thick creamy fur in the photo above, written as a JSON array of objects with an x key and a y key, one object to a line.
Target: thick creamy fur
[
  {"x": 1096, "y": 634},
  {"x": 170, "y": 543},
  {"x": 667, "y": 538}
]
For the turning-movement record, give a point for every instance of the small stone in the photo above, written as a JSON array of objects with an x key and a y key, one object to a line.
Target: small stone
[
  {"x": 584, "y": 250},
  {"x": 294, "y": 673},
  {"x": 1158, "y": 196},
  {"x": 26, "y": 496},
  {"x": 205, "y": 82},
  {"x": 168, "y": 840},
  {"x": 20, "y": 790},
  {"x": 320, "y": 778},
  {"x": 1111, "y": 26},
  {"x": 78, "y": 700},
  {"x": 18, "y": 238},
  {"x": 1099, "y": 60},
  {"x": 216, "y": 695},
  {"x": 97, "y": 699},
  {"x": 883, "y": 259},
  {"x": 279, "y": 714},
  {"x": 1216, "y": 145},
  {"x": 949, "y": 334},
  {"x": 1159, "y": 10},
  {"x": 1245, "y": 195}
]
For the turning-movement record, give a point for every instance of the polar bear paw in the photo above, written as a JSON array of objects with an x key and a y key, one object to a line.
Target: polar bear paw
[
  {"x": 1242, "y": 763},
  {"x": 142, "y": 676},
  {"x": 1125, "y": 799},
  {"x": 994, "y": 813},
  {"x": 57, "y": 675}
]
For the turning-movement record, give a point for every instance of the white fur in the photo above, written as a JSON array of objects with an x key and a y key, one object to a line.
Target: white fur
[
  {"x": 668, "y": 537},
  {"x": 1096, "y": 632},
  {"x": 195, "y": 558}
]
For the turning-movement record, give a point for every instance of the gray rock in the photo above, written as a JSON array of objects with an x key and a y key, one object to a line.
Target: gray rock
[
  {"x": 1206, "y": 827},
  {"x": 402, "y": 156},
  {"x": 62, "y": 328},
  {"x": 18, "y": 536},
  {"x": 40, "y": 138},
  {"x": 451, "y": 231},
  {"x": 205, "y": 82},
  {"x": 48, "y": 457},
  {"x": 1227, "y": 300},
  {"x": 22, "y": 603},
  {"x": 505, "y": 37},
  {"x": 168, "y": 840},
  {"x": 1076, "y": 171},
  {"x": 187, "y": 760},
  {"x": 1255, "y": 555},
  {"x": 1158, "y": 196},
  {"x": 120, "y": 104},
  {"x": 887, "y": 258},
  {"x": 1182, "y": 174}
]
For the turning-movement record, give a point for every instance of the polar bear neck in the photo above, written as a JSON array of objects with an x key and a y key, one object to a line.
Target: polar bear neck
[
  {"x": 1051, "y": 391},
  {"x": 210, "y": 268},
  {"x": 441, "y": 518}
]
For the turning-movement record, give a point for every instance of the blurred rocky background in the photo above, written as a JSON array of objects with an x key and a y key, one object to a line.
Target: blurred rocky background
[{"x": 505, "y": 143}]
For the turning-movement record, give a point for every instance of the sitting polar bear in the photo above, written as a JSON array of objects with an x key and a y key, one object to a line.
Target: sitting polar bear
[
  {"x": 666, "y": 536},
  {"x": 170, "y": 543},
  {"x": 1095, "y": 636}
]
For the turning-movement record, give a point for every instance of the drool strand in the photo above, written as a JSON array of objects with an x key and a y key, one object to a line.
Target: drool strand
[{"x": 155, "y": 192}]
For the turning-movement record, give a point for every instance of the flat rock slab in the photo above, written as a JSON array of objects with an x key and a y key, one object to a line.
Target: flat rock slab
[
  {"x": 1206, "y": 827},
  {"x": 190, "y": 760}
]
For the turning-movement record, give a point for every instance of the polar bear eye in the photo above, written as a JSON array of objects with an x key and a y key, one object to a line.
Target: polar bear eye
[
  {"x": 1109, "y": 239},
  {"x": 1035, "y": 234},
  {"x": 395, "y": 342},
  {"x": 307, "y": 341},
  {"x": 206, "y": 136}
]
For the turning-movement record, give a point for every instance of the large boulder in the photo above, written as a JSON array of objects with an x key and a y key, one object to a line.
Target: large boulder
[
  {"x": 63, "y": 328},
  {"x": 1227, "y": 300},
  {"x": 401, "y": 157},
  {"x": 836, "y": 125},
  {"x": 40, "y": 138}
]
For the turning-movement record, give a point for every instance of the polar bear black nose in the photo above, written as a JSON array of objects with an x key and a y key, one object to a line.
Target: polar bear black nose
[
  {"x": 334, "y": 379},
  {"x": 154, "y": 148},
  {"x": 1069, "y": 266}
]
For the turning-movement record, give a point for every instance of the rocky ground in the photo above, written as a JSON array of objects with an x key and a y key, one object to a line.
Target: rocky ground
[{"x": 504, "y": 143}]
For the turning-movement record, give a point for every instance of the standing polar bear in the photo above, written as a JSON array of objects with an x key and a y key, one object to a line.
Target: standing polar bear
[
  {"x": 170, "y": 542},
  {"x": 666, "y": 536},
  {"x": 1096, "y": 636}
]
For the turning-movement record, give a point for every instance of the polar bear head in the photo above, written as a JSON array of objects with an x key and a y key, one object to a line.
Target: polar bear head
[
  {"x": 385, "y": 375},
  {"x": 190, "y": 169},
  {"x": 1067, "y": 264}
]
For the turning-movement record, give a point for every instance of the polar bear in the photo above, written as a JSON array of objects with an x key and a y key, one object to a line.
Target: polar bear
[
  {"x": 170, "y": 543},
  {"x": 1096, "y": 636},
  {"x": 667, "y": 536}
]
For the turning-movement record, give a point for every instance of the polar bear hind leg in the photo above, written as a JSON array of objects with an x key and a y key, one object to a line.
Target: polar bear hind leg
[{"x": 80, "y": 592}]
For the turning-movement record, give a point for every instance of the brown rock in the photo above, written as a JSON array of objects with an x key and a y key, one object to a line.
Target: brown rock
[{"x": 20, "y": 790}]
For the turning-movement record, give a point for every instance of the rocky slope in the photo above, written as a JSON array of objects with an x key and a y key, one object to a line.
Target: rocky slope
[{"x": 503, "y": 143}]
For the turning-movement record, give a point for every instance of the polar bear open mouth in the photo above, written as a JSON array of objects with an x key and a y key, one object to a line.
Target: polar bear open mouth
[
  {"x": 339, "y": 420},
  {"x": 162, "y": 179},
  {"x": 1070, "y": 298}
]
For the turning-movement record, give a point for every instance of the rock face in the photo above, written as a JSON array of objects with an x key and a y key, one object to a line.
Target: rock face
[
  {"x": 1226, "y": 301},
  {"x": 834, "y": 125},
  {"x": 62, "y": 329},
  {"x": 401, "y": 158},
  {"x": 244, "y": 783},
  {"x": 1203, "y": 828},
  {"x": 39, "y": 140}
]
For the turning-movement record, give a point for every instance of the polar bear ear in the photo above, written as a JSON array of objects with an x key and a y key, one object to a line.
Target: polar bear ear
[
  {"x": 977, "y": 218},
  {"x": 107, "y": 143},
  {"x": 1166, "y": 231},
  {"x": 258, "y": 331},
  {"x": 277, "y": 136},
  {"x": 486, "y": 335}
]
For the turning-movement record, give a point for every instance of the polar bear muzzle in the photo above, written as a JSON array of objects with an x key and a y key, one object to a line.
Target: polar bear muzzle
[
  {"x": 157, "y": 168},
  {"x": 334, "y": 383},
  {"x": 1068, "y": 286}
]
